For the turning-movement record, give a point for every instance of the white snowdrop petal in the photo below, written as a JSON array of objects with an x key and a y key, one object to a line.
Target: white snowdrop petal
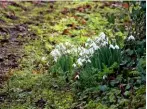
[
  {"x": 102, "y": 35},
  {"x": 74, "y": 65},
  {"x": 104, "y": 77},
  {"x": 111, "y": 46},
  {"x": 43, "y": 58},
  {"x": 116, "y": 46},
  {"x": 77, "y": 77},
  {"x": 131, "y": 38}
]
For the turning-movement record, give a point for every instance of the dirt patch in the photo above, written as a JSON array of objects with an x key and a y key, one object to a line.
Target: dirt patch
[{"x": 11, "y": 47}]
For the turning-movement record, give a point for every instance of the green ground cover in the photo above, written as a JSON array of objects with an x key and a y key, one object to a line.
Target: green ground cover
[{"x": 112, "y": 77}]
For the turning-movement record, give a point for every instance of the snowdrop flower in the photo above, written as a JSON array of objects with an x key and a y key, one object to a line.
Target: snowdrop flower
[
  {"x": 79, "y": 48},
  {"x": 89, "y": 60},
  {"x": 104, "y": 77},
  {"x": 89, "y": 40},
  {"x": 116, "y": 46},
  {"x": 43, "y": 58},
  {"x": 68, "y": 51},
  {"x": 131, "y": 38},
  {"x": 74, "y": 50},
  {"x": 62, "y": 47},
  {"x": 79, "y": 62},
  {"x": 77, "y": 77},
  {"x": 57, "y": 47},
  {"x": 81, "y": 54},
  {"x": 107, "y": 39},
  {"x": 55, "y": 59},
  {"x": 93, "y": 45},
  {"x": 96, "y": 47},
  {"x": 102, "y": 35},
  {"x": 91, "y": 51},
  {"x": 55, "y": 53},
  {"x": 111, "y": 46},
  {"x": 97, "y": 39},
  {"x": 83, "y": 60},
  {"x": 74, "y": 65},
  {"x": 86, "y": 44},
  {"x": 87, "y": 52},
  {"x": 67, "y": 44}
]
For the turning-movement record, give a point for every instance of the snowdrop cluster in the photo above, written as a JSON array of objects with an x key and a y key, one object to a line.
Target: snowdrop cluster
[
  {"x": 83, "y": 54},
  {"x": 90, "y": 46},
  {"x": 98, "y": 42},
  {"x": 62, "y": 49},
  {"x": 113, "y": 47}
]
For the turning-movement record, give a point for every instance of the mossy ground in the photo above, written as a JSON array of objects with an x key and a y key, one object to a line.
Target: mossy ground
[{"x": 29, "y": 31}]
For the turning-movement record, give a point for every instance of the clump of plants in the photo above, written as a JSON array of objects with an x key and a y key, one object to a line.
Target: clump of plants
[{"x": 96, "y": 54}]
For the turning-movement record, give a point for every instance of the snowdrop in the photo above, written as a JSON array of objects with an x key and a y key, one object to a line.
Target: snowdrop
[
  {"x": 55, "y": 53},
  {"x": 43, "y": 58},
  {"x": 88, "y": 61},
  {"x": 67, "y": 44},
  {"x": 116, "y": 46},
  {"x": 83, "y": 54},
  {"x": 105, "y": 76},
  {"x": 62, "y": 47},
  {"x": 86, "y": 44},
  {"x": 102, "y": 36},
  {"x": 55, "y": 59},
  {"x": 89, "y": 41},
  {"x": 111, "y": 46},
  {"x": 68, "y": 51},
  {"x": 77, "y": 77},
  {"x": 94, "y": 46},
  {"x": 79, "y": 62},
  {"x": 91, "y": 51},
  {"x": 131, "y": 38},
  {"x": 74, "y": 65},
  {"x": 97, "y": 39},
  {"x": 57, "y": 47}
]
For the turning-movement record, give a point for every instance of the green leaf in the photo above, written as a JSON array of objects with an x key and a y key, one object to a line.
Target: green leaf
[
  {"x": 128, "y": 87},
  {"x": 127, "y": 93},
  {"x": 103, "y": 88}
]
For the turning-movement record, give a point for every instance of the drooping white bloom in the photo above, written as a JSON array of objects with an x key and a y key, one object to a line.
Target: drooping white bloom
[
  {"x": 55, "y": 53},
  {"x": 89, "y": 40},
  {"x": 102, "y": 35},
  {"x": 111, "y": 46},
  {"x": 74, "y": 65},
  {"x": 105, "y": 76},
  {"x": 77, "y": 77},
  {"x": 89, "y": 60},
  {"x": 68, "y": 51},
  {"x": 79, "y": 61},
  {"x": 83, "y": 60},
  {"x": 55, "y": 59},
  {"x": 91, "y": 51},
  {"x": 116, "y": 46},
  {"x": 57, "y": 47},
  {"x": 67, "y": 44},
  {"x": 43, "y": 58},
  {"x": 97, "y": 40},
  {"x": 131, "y": 38},
  {"x": 62, "y": 47},
  {"x": 94, "y": 46},
  {"x": 81, "y": 53},
  {"x": 86, "y": 44}
]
